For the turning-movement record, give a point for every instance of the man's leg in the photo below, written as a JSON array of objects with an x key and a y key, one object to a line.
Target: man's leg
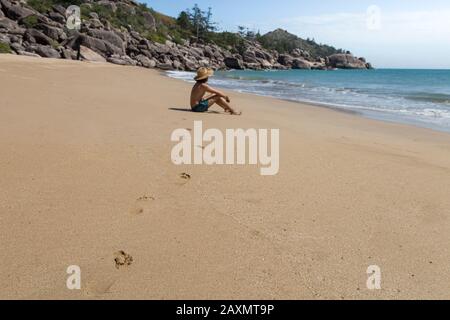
[{"x": 222, "y": 103}]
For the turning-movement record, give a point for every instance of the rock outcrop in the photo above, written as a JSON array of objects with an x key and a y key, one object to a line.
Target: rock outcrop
[
  {"x": 29, "y": 32},
  {"x": 347, "y": 61}
]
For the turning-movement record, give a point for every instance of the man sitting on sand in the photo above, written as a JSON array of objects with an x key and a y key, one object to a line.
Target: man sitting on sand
[{"x": 200, "y": 103}]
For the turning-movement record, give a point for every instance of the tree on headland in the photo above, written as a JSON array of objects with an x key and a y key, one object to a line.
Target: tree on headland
[
  {"x": 197, "y": 22},
  {"x": 247, "y": 33},
  {"x": 241, "y": 31},
  {"x": 184, "y": 21}
]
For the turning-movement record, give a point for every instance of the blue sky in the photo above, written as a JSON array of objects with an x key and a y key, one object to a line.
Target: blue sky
[{"x": 389, "y": 33}]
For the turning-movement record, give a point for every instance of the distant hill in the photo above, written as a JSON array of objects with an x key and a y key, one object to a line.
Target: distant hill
[{"x": 285, "y": 42}]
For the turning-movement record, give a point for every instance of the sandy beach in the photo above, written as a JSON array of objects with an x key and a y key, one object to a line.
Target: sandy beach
[{"x": 86, "y": 172}]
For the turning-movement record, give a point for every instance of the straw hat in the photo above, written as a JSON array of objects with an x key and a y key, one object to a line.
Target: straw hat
[{"x": 203, "y": 73}]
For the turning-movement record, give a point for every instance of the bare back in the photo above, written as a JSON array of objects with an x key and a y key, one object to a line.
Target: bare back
[{"x": 197, "y": 93}]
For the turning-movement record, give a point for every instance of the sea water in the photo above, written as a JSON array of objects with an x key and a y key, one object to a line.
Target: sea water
[{"x": 418, "y": 97}]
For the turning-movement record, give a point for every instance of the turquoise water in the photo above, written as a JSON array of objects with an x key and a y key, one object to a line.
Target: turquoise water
[{"x": 419, "y": 97}]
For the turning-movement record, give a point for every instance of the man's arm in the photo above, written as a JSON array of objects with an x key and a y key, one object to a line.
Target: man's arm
[{"x": 217, "y": 92}]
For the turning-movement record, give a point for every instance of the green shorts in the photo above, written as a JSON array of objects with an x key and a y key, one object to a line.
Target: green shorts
[{"x": 202, "y": 106}]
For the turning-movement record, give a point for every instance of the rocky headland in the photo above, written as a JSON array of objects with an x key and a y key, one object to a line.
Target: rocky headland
[{"x": 125, "y": 32}]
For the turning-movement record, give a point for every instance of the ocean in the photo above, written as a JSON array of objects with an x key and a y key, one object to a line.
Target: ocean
[{"x": 417, "y": 97}]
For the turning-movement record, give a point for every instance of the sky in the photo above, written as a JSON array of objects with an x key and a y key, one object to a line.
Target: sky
[{"x": 388, "y": 33}]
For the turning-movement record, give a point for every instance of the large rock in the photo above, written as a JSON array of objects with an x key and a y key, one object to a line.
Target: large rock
[
  {"x": 299, "y": 53},
  {"x": 102, "y": 47},
  {"x": 345, "y": 61},
  {"x": 145, "y": 61},
  {"x": 249, "y": 56},
  {"x": 296, "y": 53},
  {"x": 59, "y": 9},
  {"x": 301, "y": 64},
  {"x": 118, "y": 61},
  {"x": 5, "y": 39},
  {"x": 278, "y": 66},
  {"x": 5, "y": 4},
  {"x": 28, "y": 54},
  {"x": 150, "y": 21},
  {"x": 54, "y": 33},
  {"x": 95, "y": 44},
  {"x": 132, "y": 50},
  {"x": 136, "y": 35},
  {"x": 146, "y": 53},
  {"x": 17, "y": 12},
  {"x": 178, "y": 65},
  {"x": 197, "y": 53},
  {"x": 234, "y": 63},
  {"x": 165, "y": 66},
  {"x": 252, "y": 66},
  {"x": 36, "y": 36},
  {"x": 90, "y": 55},
  {"x": 159, "y": 49},
  {"x": 218, "y": 55},
  {"x": 55, "y": 16},
  {"x": 96, "y": 24},
  {"x": 17, "y": 47},
  {"x": 263, "y": 55},
  {"x": 45, "y": 51},
  {"x": 108, "y": 36},
  {"x": 69, "y": 54},
  {"x": 204, "y": 63},
  {"x": 265, "y": 64},
  {"x": 7, "y": 24},
  {"x": 209, "y": 52},
  {"x": 121, "y": 60},
  {"x": 189, "y": 64},
  {"x": 285, "y": 60}
]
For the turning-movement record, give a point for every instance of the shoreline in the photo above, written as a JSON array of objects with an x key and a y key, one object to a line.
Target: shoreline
[
  {"x": 86, "y": 174},
  {"x": 365, "y": 111}
]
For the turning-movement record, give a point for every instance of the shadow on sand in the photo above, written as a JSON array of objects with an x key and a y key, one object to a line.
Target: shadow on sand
[{"x": 189, "y": 110}]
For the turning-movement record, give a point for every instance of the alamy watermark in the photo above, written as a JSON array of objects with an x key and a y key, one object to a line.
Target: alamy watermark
[
  {"x": 235, "y": 146},
  {"x": 374, "y": 280},
  {"x": 373, "y": 18},
  {"x": 73, "y": 16},
  {"x": 74, "y": 280}
]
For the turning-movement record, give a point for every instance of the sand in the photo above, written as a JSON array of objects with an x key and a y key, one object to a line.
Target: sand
[{"x": 85, "y": 173}]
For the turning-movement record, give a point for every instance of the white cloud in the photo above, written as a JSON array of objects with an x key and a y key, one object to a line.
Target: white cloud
[{"x": 400, "y": 33}]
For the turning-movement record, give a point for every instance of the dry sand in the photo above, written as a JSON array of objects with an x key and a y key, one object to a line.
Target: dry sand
[{"x": 85, "y": 172}]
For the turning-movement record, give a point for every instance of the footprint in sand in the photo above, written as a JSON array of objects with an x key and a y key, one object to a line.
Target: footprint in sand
[
  {"x": 122, "y": 259},
  {"x": 142, "y": 205},
  {"x": 146, "y": 198},
  {"x": 185, "y": 176}
]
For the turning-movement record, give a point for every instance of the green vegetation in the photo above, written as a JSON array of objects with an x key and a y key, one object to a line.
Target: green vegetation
[
  {"x": 43, "y": 6},
  {"x": 192, "y": 24},
  {"x": 55, "y": 44},
  {"x": 226, "y": 39},
  {"x": 122, "y": 17},
  {"x": 5, "y": 48},
  {"x": 285, "y": 42},
  {"x": 138, "y": 18},
  {"x": 166, "y": 28},
  {"x": 198, "y": 23},
  {"x": 30, "y": 21}
]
